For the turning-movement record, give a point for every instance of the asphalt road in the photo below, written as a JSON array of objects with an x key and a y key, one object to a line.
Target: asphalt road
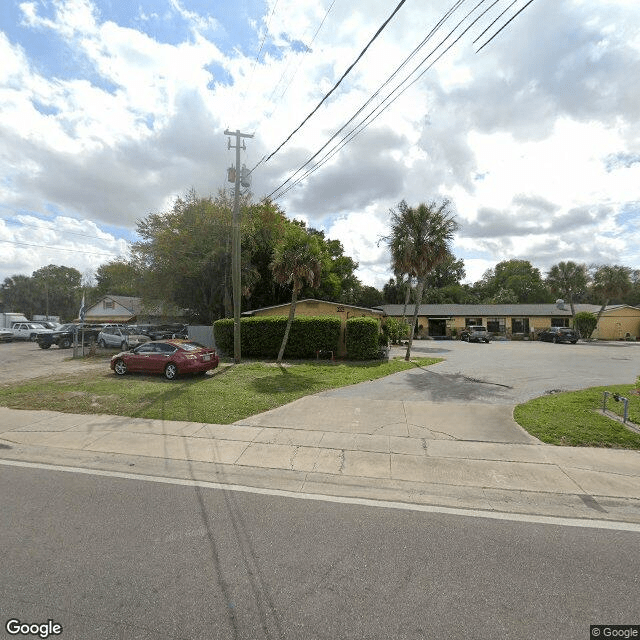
[{"x": 111, "y": 558}]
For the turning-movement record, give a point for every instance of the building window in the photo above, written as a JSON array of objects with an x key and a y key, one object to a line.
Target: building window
[
  {"x": 519, "y": 325},
  {"x": 496, "y": 325},
  {"x": 559, "y": 322},
  {"x": 469, "y": 322},
  {"x": 108, "y": 304}
]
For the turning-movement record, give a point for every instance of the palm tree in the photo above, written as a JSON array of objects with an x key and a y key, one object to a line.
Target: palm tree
[
  {"x": 610, "y": 282},
  {"x": 568, "y": 279},
  {"x": 419, "y": 240},
  {"x": 297, "y": 260}
]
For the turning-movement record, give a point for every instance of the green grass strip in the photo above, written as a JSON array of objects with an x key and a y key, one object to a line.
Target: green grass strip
[
  {"x": 571, "y": 418},
  {"x": 234, "y": 393}
]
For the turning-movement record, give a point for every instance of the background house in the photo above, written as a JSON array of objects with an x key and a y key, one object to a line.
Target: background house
[{"x": 128, "y": 309}]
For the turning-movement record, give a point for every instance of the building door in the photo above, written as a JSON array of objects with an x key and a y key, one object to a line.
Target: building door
[{"x": 437, "y": 327}]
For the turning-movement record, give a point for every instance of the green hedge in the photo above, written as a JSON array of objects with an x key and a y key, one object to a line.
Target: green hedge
[
  {"x": 362, "y": 338},
  {"x": 261, "y": 336}
]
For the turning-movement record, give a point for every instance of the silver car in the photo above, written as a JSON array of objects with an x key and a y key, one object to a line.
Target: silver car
[{"x": 120, "y": 337}]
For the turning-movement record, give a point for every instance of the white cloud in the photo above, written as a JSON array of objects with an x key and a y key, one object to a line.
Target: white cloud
[{"x": 547, "y": 113}]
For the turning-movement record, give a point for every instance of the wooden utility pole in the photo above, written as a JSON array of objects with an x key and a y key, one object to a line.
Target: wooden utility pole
[{"x": 235, "y": 244}]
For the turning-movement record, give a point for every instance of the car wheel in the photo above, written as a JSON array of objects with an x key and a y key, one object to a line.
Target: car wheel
[
  {"x": 42, "y": 345},
  {"x": 65, "y": 343},
  {"x": 120, "y": 367},
  {"x": 33, "y": 337},
  {"x": 101, "y": 344},
  {"x": 555, "y": 339},
  {"x": 170, "y": 371}
]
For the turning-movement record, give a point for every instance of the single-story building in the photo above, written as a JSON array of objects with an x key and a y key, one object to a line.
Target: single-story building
[
  {"x": 310, "y": 307},
  {"x": 618, "y": 322},
  {"x": 128, "y": 309}
]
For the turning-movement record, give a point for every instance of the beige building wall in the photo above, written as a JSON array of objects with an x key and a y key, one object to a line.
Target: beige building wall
[{"x": 618, "y": 324}]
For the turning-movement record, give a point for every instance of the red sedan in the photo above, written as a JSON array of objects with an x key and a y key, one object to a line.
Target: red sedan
[{"x": 169, "y": 357}]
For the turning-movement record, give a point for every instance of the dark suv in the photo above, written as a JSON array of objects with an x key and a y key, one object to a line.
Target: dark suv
[
  {"x": 559, "y": 334},
  {"x": 64, "y": 336}
]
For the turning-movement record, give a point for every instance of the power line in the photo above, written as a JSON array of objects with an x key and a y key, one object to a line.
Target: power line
[
  {"x": 44, "y": 246},
  {"x": 381, "y": 106},
  {"x": 372, "y": 116},
  {"x": 44, "y": 228},
  {"x": 503, "y": 26},
  {"x": 344, "y": 75},
  {"x": 298, "y": 66}
]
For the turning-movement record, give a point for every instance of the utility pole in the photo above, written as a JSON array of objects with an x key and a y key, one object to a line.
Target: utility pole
[{"x": 235, "y": 242}]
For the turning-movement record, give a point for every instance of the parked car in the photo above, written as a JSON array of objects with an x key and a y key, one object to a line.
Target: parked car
[
  {"x": 64, "y": 336},
  {"x": 475, "y": 333},
  {"x": 120, "y": 336},
  {"x": 559, "y": 334},
  {"x": 168, "y": 357},
  {"x": 6, "y": 335},
  {"x": 28, "y": 330},
  {"x": 162, "y": 331}
]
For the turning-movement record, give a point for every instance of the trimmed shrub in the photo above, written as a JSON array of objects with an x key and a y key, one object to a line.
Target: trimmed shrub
[
  {"x": 395, "y": 329},
  {"x": 585, "y": 323},
  {"x": 261, "y": 336},
  {"x": 362, "y": 338}
]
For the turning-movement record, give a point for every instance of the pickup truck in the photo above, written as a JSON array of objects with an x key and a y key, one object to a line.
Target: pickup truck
[
  {"x": 475, "y": 333},
  {"x": 28, "y": 330}
]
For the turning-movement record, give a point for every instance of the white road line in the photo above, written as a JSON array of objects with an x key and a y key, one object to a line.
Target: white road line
[{"x": 382, "y": 504}]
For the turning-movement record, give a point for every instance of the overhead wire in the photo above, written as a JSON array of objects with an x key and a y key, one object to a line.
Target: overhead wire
[
  {"x": 315, "y": 35},
  {"x": 44, "y": 246},
  {"x": 404, "y": 63},
  {"x": 504, "y": 25},
  {"x": 381, "y": 107},
  {"x": 339, "y": 82},
  {"x": 372, "y": 116}
]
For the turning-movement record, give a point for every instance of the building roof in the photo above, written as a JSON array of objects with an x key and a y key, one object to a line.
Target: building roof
[
  {"x": 337, "y": 304},
  {"x": 494, "y": 310}
]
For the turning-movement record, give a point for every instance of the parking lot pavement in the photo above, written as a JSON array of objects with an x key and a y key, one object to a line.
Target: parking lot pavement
[
  {"x": 513, "y": 372},
  {"x": 23, "y": 360}
]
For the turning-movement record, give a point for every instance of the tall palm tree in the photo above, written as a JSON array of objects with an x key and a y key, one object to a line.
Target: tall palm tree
[
  {"x": 419, "y": 240},
  {"x": 610, "y": 282},
  {"x": 297, "y": 260},
  {"x": 568, "y": 279}
]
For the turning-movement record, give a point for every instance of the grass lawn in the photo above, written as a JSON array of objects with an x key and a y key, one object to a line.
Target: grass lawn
[
  {"x": 233, "y": 393},
  {"x": 571, "y": 418}
]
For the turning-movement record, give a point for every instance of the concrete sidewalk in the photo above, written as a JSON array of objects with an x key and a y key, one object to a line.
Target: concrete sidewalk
[{"x": 461, "y": 455}]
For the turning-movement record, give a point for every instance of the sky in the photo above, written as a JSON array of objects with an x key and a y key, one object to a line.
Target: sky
[{"x": 111, "y": 109}]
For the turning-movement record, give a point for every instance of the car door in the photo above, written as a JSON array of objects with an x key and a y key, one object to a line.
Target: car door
[
  {"x": 157, "y": 358},
  {"x": 141, "y": 358},
  {"x": 164, "y": 353}
]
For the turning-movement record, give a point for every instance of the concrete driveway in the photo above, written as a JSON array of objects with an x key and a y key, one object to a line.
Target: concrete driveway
[{"x": 470, "y": 396}]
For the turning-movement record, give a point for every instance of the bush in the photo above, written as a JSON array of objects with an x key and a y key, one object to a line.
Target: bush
[
  {"x": 395, "y": 329},
  {"x": 362, "y": 338},
  {"x": 261, "y": 336},
  {"x": 585, "y": 323}
]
